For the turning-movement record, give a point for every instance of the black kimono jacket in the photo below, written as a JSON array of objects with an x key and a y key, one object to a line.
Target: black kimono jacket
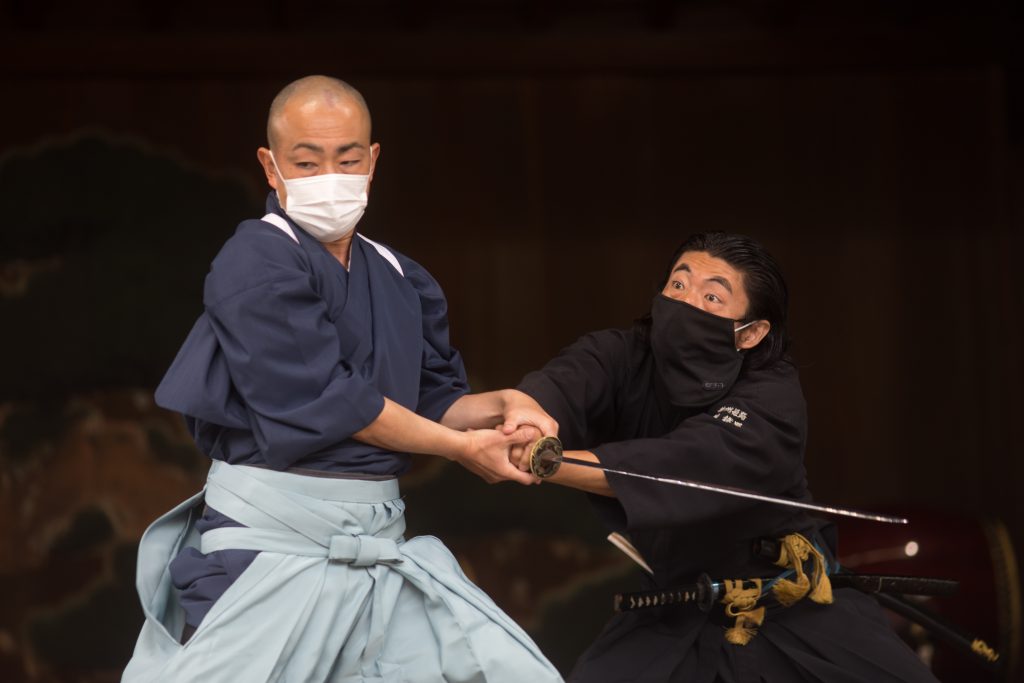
[{"x": 608, "y": 399}]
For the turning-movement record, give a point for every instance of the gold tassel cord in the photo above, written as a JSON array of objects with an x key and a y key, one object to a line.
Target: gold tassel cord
[
  {"x": 794, "y": 552},
  {"x": 740, "y": 598},
  {"x": 740, "y": 601},
  {"x": 985, "y": 650}
]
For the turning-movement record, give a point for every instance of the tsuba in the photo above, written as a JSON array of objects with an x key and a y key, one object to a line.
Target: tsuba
[{"x": 546, "y": 457}]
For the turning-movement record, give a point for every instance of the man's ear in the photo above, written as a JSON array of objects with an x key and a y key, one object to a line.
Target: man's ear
[
  {"x": 749, "y": 337},
  {"x": 263, "y": 155},
  {"x": 374, "y": 156}
]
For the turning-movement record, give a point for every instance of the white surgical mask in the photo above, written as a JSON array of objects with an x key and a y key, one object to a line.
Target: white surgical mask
[{"x": 326, "y": 206}]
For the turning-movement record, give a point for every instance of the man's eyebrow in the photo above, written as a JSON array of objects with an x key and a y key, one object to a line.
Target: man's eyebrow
[
  {"x": 344, "y": 148},
  {"x": 722, "y": 281},
  {"x": 318, "y": 149},
  {"x": 714, "y": 279}
]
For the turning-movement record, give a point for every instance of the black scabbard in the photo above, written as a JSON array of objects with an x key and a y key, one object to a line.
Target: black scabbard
[
  {"x": 770, "y": 549},
  {"x": 889, "y": 592},
  {"x": 977, "y": 649},
  {"x": 898, "y": 585}
]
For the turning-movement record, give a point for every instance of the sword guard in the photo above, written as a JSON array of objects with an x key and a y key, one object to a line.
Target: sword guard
[
  {"x": 706, "y": 593},
  {"x": 546, "y": 457}
]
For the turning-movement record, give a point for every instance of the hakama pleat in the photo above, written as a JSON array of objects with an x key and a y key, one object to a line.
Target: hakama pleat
[{"x": 335, "y": 594}]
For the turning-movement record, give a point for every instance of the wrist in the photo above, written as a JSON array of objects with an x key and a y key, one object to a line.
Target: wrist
[
  {"x": 511, "y": 398},
  {"x": 505, "y": 399},
  {"x": 461, "y": 445}
]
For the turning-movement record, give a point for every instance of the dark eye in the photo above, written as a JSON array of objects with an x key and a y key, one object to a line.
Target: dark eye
[
  {"x": 713, "y": 298},
  {"x": 676, "y": 284}
]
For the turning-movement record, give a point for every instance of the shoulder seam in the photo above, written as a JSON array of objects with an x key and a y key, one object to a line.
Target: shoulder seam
[
  {"x": 281, "y": 224},
  {"x": 388, "y": 255}
]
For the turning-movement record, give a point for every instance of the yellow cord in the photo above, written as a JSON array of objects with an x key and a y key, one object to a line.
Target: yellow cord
[{"x": 741, "y": 597}]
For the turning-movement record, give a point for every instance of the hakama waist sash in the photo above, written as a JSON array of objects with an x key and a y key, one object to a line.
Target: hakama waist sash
[{"x": 335, "y": 594}]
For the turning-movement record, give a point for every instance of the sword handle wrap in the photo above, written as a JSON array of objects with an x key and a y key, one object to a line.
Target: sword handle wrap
[
  {"x": 702, "y": 594},
  {"x": 546, "y": 457}
]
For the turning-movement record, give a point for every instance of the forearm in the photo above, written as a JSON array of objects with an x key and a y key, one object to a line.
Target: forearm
[
  {"x": 399, "y": 429},
  {"x": 583, "y": 478},
  {"x": 485, "y": 452},
  {"x": 476, "y": 411},
  {"x": 508, "y": 409}
]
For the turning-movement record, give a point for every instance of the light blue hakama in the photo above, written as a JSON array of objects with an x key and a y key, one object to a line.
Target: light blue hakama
[{"x": 336, "y": 593}]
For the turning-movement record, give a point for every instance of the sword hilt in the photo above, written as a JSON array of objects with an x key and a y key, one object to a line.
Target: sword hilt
[
  {"x": 702, "y": 594},
  {"x": 546, "y": 457}
]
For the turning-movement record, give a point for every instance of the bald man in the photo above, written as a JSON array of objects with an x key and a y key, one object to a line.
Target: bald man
[{"x": 320, "y": 362}]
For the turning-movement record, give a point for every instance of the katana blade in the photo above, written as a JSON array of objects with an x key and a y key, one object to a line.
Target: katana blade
[
  {"x": 546, "y": 456},
  {"x": 734, "y": 491}
]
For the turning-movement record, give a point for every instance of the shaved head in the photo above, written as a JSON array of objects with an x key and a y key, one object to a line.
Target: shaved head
[
  {"x": 315, "y": 90},
  {"x": 317, "y": 126}
]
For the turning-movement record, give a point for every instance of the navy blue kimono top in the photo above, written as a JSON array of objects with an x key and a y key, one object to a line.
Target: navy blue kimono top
[{"x": 294, "y": 354}]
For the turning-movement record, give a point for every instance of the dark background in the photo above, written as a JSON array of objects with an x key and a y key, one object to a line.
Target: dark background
[{"x": 542, "y": 159}]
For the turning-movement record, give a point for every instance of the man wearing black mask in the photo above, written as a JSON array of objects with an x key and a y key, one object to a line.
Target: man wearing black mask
[{"x": 702, "y": 389}]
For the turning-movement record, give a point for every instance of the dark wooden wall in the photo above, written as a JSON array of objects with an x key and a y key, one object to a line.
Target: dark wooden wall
[{"x": 543, "y": 160}]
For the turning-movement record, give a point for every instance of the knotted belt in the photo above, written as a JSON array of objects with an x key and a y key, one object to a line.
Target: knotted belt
[
  {"x": 361, "y": 550},
  {"x": 299, "y": 522}
]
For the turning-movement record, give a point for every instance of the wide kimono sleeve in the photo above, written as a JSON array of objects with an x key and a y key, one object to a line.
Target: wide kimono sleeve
[
  {"x": 577, "y": 387},
  {"x": 442, "y": 373},
  {"x": 753, "y": 439},
  {"x": 282, "y": 350}
]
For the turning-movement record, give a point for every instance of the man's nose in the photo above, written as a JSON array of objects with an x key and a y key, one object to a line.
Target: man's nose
[
  {"x": 690, "y": 297},
  {"x": 686, "y": 296}
]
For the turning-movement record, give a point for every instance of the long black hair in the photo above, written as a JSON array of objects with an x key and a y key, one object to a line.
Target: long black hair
[{"x": 762, "y": 278}]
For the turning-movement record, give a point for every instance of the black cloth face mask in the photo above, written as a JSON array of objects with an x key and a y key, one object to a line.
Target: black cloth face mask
[{"x": 694, "y": 352}]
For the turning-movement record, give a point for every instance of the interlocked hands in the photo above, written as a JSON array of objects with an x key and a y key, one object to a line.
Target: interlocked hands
[{"x": 502, "y": 454}]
